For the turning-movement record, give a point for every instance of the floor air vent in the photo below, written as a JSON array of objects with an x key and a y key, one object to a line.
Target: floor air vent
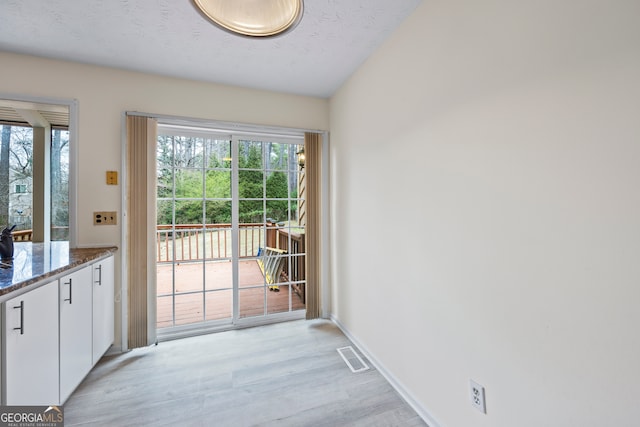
[{"x": 352, "y": 359}]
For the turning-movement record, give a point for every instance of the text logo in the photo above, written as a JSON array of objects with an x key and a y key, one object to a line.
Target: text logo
[{"x": 31, "y": 416}]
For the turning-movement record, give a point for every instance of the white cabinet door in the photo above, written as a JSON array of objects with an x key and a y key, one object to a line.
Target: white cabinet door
[
  {"x": 103, "y": 307},
  {"x": 75, "y": 330},
  {"x": 31, "y": 347}
]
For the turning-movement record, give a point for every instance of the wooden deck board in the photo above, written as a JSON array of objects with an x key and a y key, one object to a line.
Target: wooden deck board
[{"x": 214, "y": 302}]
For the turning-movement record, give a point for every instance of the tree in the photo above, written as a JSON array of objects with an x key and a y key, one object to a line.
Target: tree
[
  {"x": 181, "y": 173},
  {"x": 4, "y": 174},
  {"x": 16, "y": 167},
  {"x": 277, "y": 188},
  {"x": 164, "y": 161},
  {"x": 187, "y": 166},
  {"x": 59, "y": 183},
  {"x": 16, "y": 171},
  {"x": 218, "y": 186},
  {"x": 250, "y": 182}
]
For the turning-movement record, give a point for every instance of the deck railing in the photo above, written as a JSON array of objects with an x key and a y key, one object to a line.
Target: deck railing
[
  {"x": 22, "y": 235},
  {"x": 209, "y": 242},
  {"x": 57, "y": 233},
  {"x": 186, "y": 242},
  {"x": 293, "y": 244}
]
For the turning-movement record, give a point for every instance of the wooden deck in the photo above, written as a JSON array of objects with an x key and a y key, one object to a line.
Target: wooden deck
[{"x": 195, "y": 304}]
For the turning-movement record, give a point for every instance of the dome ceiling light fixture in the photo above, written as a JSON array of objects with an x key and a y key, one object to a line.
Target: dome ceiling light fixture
[{"x": 253, "y": 18}]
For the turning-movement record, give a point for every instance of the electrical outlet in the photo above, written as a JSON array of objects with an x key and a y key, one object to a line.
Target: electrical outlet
[
  {"x": 105, "y": 218},
  {"x": 477, "y": 396}
]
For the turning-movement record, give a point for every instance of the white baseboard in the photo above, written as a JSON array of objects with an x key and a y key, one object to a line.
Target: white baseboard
[
  {"x": 113, "y": 350},
  {"x": 395, "y": 383}
]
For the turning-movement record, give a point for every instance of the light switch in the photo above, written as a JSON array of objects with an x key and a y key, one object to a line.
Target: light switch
[
  {"x": 105, "y": 218},
  {"x": 112, "y": 178}
]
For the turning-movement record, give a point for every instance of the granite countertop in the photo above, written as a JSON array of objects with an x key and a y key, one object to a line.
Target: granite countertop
[{"x": 34, "y": 262}]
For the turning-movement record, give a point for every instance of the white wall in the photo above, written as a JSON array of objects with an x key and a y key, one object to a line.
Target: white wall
[
  {"x": 104, "y": 94},
  {"x": 486, "y": 210}
]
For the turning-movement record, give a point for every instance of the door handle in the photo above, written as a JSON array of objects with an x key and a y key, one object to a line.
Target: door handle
[
  {"x": 70, "y": 291},
  {"x": 99, "y": 281},
  {"x": 21, "y": 307}
]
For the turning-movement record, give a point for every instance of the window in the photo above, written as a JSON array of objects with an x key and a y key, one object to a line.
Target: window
[
  {"x": 16, "y": 171},
  {"x": 16, "y": 162}
]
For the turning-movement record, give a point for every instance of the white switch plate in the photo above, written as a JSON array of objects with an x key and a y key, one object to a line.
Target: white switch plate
[{"x": 105, "y": 218}]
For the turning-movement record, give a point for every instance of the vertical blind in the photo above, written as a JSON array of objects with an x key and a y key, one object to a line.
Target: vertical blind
[
  {"x": 141, "y": 176},
  {"x": 313, "y": 166}
]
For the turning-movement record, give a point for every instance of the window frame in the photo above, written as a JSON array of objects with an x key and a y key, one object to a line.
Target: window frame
[{"x": 72, "y": 105}]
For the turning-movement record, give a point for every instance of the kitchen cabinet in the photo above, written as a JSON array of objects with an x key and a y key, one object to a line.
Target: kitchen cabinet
[
  {"x": 103, "y": 307},
  {"x": 76, "y": 304},
  {"x": 54, "y": 333},
  {"x": 30, "y": 348}
]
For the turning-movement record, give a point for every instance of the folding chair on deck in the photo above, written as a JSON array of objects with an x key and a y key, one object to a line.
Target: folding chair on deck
[{"x": 271, "y": 262}]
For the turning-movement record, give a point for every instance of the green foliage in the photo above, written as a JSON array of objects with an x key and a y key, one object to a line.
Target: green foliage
[
  {"x": 188, "y": 183},
  {"x": 250, "y": 183},
  {"x": 218, "y": 212},
  {"x": 277, "y": 189},
  {"x": 188, "y": 212},
  {"x": 253, "y": 188}
]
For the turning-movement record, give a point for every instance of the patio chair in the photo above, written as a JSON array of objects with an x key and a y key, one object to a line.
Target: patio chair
[{"x": 271, "y": 264}]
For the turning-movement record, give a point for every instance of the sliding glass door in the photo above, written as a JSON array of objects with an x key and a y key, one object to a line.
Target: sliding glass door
[
  {"x": 268, "y": 200},
  {"x": 230, "y": 245}
]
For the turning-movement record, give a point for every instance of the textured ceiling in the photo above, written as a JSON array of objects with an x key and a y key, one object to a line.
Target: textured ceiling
[{"x": 169, "y": 37}]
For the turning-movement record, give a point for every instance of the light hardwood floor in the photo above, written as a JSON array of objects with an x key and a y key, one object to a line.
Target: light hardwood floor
[{"x": 286, "y": 374}]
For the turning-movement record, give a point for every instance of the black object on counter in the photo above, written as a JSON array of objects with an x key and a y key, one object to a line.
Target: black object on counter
[{"x": 6, "y": 243}]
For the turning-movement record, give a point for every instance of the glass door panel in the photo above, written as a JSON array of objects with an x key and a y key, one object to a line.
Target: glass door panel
[
  {"x": 194, "y": 271},
  {"x": 251, "y": 302},
  {"x": 188, "y": 308},
  {"x": 251, "y": 284},
  {"x": 219, "y": 305},
  {"x": 279, "y": 302},
  {"x": 218, "y": 231},
  {"x": 227, "y": 211}
]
